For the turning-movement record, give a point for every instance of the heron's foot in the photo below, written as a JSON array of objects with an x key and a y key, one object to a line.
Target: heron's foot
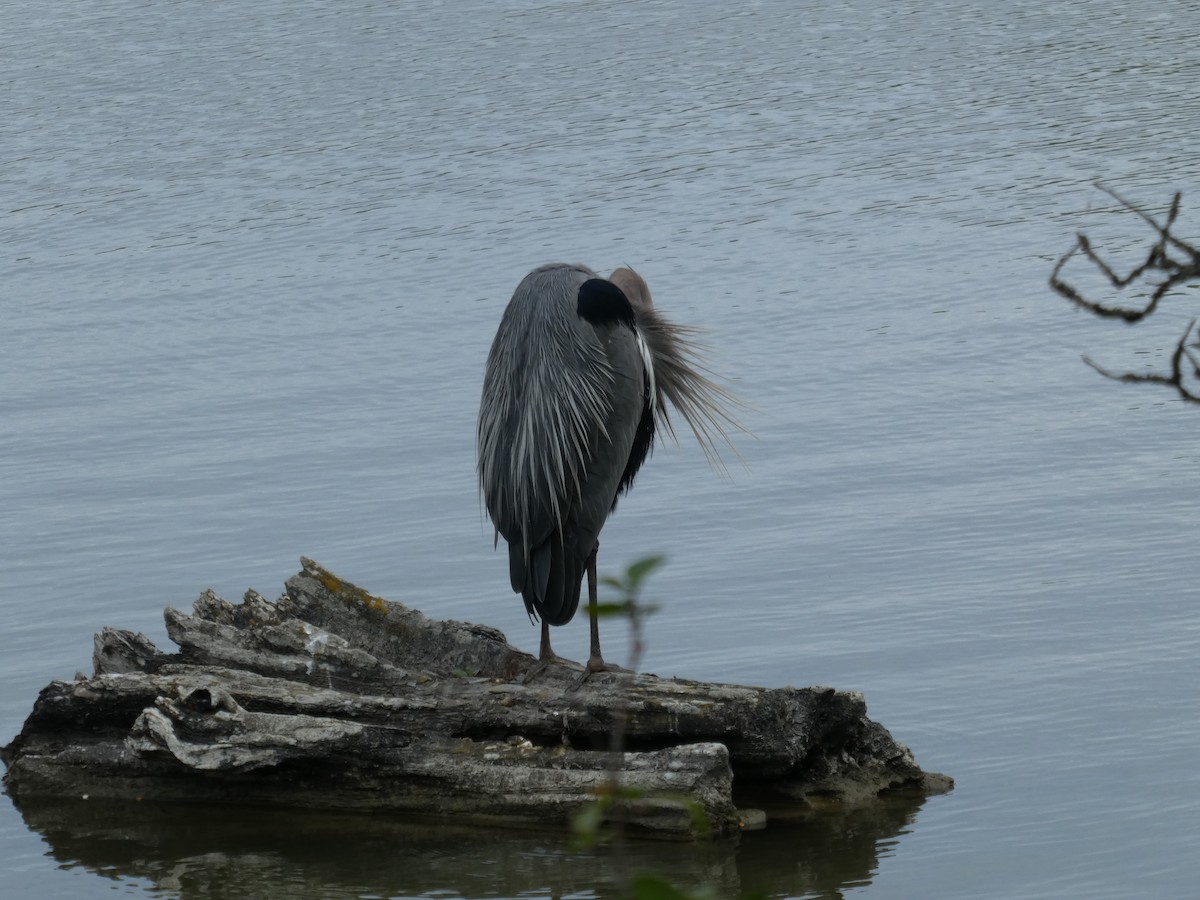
[
  {"x": 597, "y": 664},
  {"x": 543, "y": 664}
]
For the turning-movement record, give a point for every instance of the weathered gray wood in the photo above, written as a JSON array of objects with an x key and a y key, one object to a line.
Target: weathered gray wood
[{"x": 331, "y": 697}]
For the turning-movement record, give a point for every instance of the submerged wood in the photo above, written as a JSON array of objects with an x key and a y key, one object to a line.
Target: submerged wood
[{"x": 333, "y": 698}]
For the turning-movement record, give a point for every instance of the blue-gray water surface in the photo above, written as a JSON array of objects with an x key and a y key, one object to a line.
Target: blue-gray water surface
[{"x": 252, "y": 257}]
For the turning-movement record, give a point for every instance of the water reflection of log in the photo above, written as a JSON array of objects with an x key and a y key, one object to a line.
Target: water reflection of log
[
  {"x": 200, "y": 852},
  {"x": 332, "y": 698}
]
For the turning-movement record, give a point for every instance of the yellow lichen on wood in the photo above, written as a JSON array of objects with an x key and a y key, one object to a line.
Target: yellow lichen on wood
[{"x": 349, "y": 591}]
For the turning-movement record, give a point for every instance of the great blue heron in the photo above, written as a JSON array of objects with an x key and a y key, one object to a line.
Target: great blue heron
[{"x": 573, "y": 392}]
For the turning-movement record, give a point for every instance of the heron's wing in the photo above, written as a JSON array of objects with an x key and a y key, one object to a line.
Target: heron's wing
[
  {"x": 545, "y": 391},
  {"x": 587, "y": 501},
  {"x": 562, "y": 400}
]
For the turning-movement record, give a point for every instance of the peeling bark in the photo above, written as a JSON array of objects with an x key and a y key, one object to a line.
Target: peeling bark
[{"x": 331, "y": 697}]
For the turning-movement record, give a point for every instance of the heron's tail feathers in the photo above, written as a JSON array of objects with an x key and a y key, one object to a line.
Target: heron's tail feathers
[{"x": 549, "y": 583}]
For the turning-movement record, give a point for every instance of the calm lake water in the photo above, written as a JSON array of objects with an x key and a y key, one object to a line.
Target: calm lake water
[{"x": 253, "y": 256}]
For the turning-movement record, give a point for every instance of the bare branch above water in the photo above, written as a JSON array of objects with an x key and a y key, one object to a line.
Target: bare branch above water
[{"x": 1169, "y": 256}]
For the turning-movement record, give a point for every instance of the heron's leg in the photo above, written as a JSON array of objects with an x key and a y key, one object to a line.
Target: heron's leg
[
  {"x": 546, "y": 658},
  {"x": 595, "y": 661}
]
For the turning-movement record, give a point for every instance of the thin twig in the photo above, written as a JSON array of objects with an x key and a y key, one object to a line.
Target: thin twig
[{"x": 1157, "y": 260}]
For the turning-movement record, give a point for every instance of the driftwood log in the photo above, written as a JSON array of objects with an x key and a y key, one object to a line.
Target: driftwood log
[{"x": 333, "y": 698}]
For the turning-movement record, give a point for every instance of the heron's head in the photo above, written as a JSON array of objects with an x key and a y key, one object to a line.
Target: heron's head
[{"x": 634, "y": 287}]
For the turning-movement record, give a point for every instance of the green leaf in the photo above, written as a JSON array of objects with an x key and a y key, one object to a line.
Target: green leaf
[
  {"x": 638, "y": 571},
  {"x": 614, "y": 608},
  {"x": 698, "y": 816},
  {"x": 651, "y": 887},
  {"x": 586, "y": 823}
]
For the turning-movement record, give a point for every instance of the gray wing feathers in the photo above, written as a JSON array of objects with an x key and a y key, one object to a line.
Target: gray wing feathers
[{"x": 561, "y": 403}]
